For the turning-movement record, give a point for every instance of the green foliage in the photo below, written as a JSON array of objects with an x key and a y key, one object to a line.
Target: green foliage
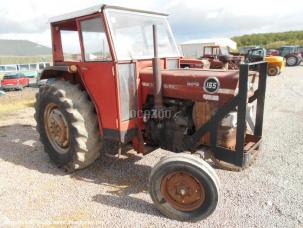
[{"x": 270, "y": 40}]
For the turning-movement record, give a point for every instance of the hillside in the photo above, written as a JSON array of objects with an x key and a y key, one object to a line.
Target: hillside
[
  {"x": 22, "y": 48},
  {"x": 270, "y": 40}
]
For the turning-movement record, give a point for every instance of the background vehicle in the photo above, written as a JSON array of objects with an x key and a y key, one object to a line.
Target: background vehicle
[
  {"x": 272, "y": 52},
  {"x": 219, "y": 58},
  {"x": 14, "y": 80},
  {"x": 275, "y": 65},
  {"x": 194, "y": 63},
  {"x": 244, "y": 50},
  {"x": 292, "y": 55},
  {"x": 112, "y": 94}
]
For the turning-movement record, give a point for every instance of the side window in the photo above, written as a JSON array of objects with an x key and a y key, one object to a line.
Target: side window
[
  {"x": 33, "y": 66},
  {"x": 208, "y": 51},
  {"x": 94, "y": 40},
  {"x": 216, "y": 51},
  {"x": 70, "y": 45}
]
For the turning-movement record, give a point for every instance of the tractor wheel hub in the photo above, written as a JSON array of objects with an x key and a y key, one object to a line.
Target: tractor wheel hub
[
  {"x": 56, "y": 128},
  {"x": 182, "y": 191}
]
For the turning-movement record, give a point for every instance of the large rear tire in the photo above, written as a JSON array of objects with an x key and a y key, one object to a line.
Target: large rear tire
[
  {"x": 68, "y": 125},
  {"x": 184, "y": 187},
  {"x": 292, "y": 61}
]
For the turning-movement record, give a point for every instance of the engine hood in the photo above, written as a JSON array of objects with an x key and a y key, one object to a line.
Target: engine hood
[
  {"x": 271, "y": 59},
  {"x": 190, "y": 83}
]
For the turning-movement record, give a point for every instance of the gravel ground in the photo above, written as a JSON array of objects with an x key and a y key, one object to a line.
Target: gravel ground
[{"x": 113, "y": 193}]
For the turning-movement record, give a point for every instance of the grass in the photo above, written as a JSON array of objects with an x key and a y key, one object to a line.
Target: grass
[{"x": 15, "y": 106}]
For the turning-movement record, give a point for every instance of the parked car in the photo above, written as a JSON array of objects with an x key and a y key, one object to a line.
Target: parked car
[
  {"x": 14, "y": 80},
  {"x": 32, "y": 76},
  {"x": 292, "y": 55}
]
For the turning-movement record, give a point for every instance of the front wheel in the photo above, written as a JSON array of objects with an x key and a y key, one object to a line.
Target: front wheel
[
  {"x": 273, "y": 70},
  {"x": 184, "y": 187}
]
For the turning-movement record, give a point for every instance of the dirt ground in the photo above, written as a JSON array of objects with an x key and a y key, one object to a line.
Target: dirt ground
[{"x": 114, "y": 193}]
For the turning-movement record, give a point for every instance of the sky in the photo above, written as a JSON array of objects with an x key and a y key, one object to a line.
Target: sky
[{"x": 190, "y": 19}]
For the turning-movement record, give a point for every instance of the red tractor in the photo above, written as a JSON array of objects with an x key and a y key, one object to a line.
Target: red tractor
[
  {"x": 194, "y": 63},
  {"x": 116, "y": 83},
  {"x": 219, "y": 58}
]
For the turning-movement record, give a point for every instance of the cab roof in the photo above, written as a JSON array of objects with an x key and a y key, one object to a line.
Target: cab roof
[{"x": 96, "y": 9}]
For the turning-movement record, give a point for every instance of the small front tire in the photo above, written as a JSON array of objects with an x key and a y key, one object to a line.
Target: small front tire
[
  {"x": 184, "y": 187},
  {"x": 273, "y": 70}
]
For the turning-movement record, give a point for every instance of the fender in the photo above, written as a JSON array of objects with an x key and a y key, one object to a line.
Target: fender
[
  {"x": 64, "y": 72},
  {"x": 54, "y": 72}
]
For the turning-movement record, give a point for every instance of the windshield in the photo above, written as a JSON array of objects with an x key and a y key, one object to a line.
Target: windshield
[
  {"x": 13, "y": 75},
  {"x": 133, "y": 37},
  {"x": 224, "y": 51}
]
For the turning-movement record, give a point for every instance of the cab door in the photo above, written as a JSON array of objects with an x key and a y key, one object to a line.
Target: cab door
[{"x": 98, "y": 73}]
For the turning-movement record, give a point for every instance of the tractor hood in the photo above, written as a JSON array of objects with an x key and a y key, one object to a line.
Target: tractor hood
[
  {"x": 274, "y": 59},
  {"x": 193, "y": 84}
]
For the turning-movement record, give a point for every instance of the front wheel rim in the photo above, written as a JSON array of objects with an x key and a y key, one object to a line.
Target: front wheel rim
[
  {"x": 272, "y": 71},
  {"x": 182, "y": 191},
  {"x": 56, "y": 128}
]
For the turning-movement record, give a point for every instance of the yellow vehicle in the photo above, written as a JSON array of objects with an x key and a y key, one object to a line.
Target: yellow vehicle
[{"x": 276, "y": 64}]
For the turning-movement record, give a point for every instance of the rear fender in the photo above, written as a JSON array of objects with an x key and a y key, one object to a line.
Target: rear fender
[
  {"x": 54, "y": 72},
  {"x": 64, "y": 73}
]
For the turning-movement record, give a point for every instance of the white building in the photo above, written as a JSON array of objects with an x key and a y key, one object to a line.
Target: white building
[{"x": 195, "y": 48}]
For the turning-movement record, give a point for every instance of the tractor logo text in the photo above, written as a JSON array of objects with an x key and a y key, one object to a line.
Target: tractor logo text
[{"x": 211, "y": 85}]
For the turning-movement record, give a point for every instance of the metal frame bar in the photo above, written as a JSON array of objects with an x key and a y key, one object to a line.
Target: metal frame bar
[{"x": 239, "y": 156}]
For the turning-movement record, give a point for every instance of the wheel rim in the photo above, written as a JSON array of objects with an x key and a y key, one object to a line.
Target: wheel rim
[
  {"x": 56, "y": 128},
  {"x": 291, "y": 61},
  {"x": 272, "y": 71},
  {"x": 182, "y": 191}
]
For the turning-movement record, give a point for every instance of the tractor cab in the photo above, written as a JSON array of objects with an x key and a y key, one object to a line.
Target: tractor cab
[
  {"x": 220, "y": 58},
  {"x": 255, "y": 55},
  {"x": 215, "y": 51}
]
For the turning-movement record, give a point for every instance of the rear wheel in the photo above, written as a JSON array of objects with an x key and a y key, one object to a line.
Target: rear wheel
[
  {"x": 184, "y": 187},
  {"x": 67, "y": 125},
  {"x": 273, "y": 70},
  {"x": 291, "y": 61}
]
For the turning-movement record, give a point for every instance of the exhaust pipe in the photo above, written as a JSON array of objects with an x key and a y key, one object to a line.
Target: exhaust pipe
[{"x": 157, "y": 78}]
